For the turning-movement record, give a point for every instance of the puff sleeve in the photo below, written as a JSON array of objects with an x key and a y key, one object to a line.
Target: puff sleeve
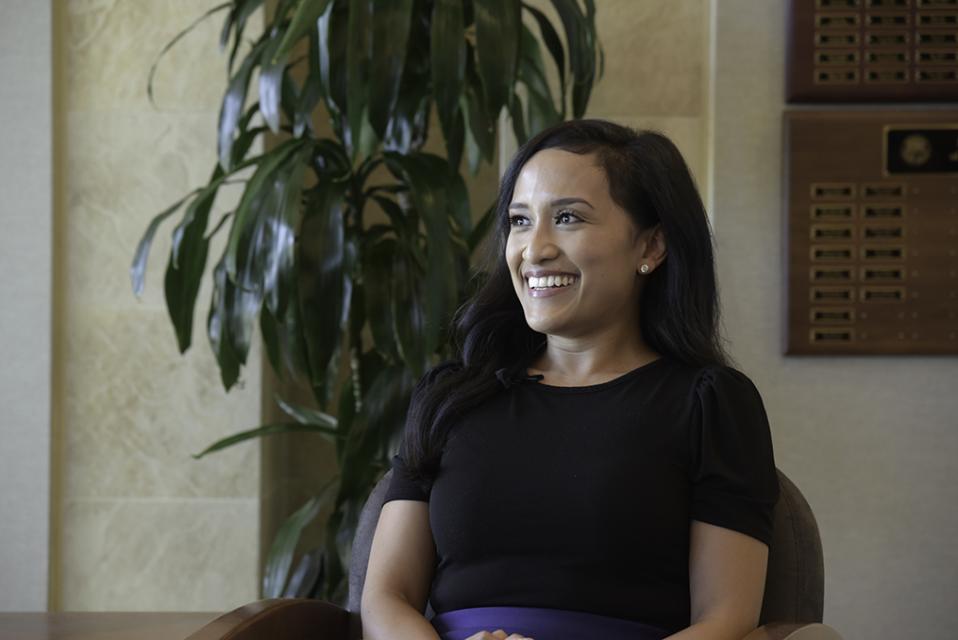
[
  {"x": 733, "y": 475},
  {"x": 402, "y": 486}
]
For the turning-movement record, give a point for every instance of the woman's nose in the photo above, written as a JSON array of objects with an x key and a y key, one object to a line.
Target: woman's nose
[{"x": 540, "y": 244}]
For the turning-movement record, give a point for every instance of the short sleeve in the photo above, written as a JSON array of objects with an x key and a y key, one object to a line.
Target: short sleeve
[
  {"x": 402, "y": 486},
  {"x": 734, "y": 479}
]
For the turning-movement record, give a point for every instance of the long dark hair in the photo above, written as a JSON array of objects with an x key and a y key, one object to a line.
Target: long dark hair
[{"x": 649, "y": 179}]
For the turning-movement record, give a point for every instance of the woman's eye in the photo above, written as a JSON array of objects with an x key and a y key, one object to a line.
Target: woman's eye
[{"x": 559, "y": 216}]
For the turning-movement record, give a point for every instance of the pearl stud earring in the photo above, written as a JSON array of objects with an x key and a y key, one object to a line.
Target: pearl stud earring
[{"x": 644, "y": 268}]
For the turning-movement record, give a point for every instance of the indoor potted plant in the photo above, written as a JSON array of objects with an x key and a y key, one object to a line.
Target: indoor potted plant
[{"x": 300, "y": 263}]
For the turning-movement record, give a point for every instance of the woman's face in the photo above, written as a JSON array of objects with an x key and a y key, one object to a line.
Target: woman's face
[{"x": 563, "y": 219}]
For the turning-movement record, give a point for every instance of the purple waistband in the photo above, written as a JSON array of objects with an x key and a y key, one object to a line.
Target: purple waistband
[{"x": 541, "y": 624}]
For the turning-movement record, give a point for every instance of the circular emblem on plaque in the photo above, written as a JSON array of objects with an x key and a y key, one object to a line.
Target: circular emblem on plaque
[{"x": 915, "y": 150}]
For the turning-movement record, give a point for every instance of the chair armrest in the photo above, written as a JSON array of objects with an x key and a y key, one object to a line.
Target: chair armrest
[
  {"x": 794, "y": 631},
  {"x": 287, "y": 618}
]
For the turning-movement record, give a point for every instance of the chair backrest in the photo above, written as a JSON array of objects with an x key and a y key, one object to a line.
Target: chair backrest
[{"x": 795, "y": 583}]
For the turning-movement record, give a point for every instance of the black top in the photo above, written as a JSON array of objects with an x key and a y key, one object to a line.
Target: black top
[{"x": 580, "y": 498}]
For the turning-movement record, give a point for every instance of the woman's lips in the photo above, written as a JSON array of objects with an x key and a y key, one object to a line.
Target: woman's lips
[{"x": 550, "y": 291}]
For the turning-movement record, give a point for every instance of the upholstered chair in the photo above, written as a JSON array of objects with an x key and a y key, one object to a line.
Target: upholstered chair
[{"x": 791, "y": 610}]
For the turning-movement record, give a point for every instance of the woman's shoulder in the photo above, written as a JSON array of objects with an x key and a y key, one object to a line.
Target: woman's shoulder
[{"x": 711, "y": 377}]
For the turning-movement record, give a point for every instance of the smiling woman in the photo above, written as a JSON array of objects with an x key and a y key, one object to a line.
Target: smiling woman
[
  {"x": 596, "y": 250},
  {"x": 628, "y": 493}
]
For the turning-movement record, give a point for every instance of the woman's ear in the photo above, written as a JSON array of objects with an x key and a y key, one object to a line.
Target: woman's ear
[{"x": 654, "y": 248}]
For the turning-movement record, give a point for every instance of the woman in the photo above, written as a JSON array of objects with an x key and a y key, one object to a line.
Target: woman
[{"x": 590, "y": 466}]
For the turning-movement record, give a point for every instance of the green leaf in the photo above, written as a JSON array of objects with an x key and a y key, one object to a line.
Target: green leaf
[
  {"x": 233, "y": 102},
  {"x": 429, "y": 180},
  {"x": 405, "y": 225},
  {"x": 580, "y": 34},
  {"x": 302, "y": 23},
  {"x": 408, "y": 313},
  {"x": 346, "y": 415},
  {"x": 473, "y": 154},
  {"x": 322, "y": 256},
  {"x": 409, "y": 125},
  {"x": 377, "y": 276},
  {"x": 541, "y": 110},
  {"x": 290, "y": 337},
  {"x": 276, "y": 251},
  {"x": 184, "y": 270},
  {"x": 459, "y": 202},
  {"x": 497, "y": 44},
  {"x": 448, "y": 45},
  {"x": 280, "y": 556},
  {"x": 481, "y": 125},
  {"x": 266, "y": 430},
  {"x": 357, "y": 73},
  {"x": 241, "y": 13},
  {"x": 305, "y": 415},
  {"x": 304, "y": 577},
  {"x": 390, "y": 27},
  {"x": 217, "y": 327},
  {"x": 251, "y": 266},
  {"x": 245, "y": 212},
  {"x": 270, "y": 328},
  {"x": 531, "y": 67},
  {"x": 177, "y": 38},
  {"x": 138, "y": 267},
  {"x": 311, "y": 92},
  {"x": 554, "y": 44},
  {"x": 456, "y": 140},
  {"x": 332, "y": 45},
  {"x": 270, "y": 84}
]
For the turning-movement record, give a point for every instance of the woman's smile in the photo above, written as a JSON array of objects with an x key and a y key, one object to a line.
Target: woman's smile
[{"x": 543, "y": 290}]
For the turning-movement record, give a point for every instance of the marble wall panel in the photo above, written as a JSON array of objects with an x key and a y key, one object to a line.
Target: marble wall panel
[
  {"x": 138, "y": 409},
  {"x": 655, "y": 55},
  {"x": 111, "y": 44},
  {"x": 124, "y": 168},
  {"x": 140, "y": 524},
  {"x": 144, "y": 554}
]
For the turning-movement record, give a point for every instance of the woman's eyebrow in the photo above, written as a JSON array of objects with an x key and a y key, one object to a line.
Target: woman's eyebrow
[{"x": 554, "y": 203}]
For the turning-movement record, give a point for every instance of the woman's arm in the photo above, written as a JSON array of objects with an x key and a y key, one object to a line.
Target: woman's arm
[
  {"x": 726, "y": 582},
  {"x": 399, "y": 574}
]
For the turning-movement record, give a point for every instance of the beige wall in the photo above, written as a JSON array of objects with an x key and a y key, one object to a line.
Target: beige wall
[
  {"x": 26, "y": 215},
  {"x": 871, "y": 441},
  {"x": 656, "y": 52},
  {"x": 139, "y": 524}
]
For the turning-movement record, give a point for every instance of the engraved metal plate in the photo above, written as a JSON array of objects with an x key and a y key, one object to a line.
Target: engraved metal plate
[
  {"x": 871, "y": 232},
  {"x": 872, "y": 50}
]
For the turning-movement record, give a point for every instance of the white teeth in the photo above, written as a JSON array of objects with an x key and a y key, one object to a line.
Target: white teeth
[{"x": 551, "y": 281}]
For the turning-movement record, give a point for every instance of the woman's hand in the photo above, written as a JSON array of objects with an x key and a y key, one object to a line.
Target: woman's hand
[{"x": 498, "y": 634}]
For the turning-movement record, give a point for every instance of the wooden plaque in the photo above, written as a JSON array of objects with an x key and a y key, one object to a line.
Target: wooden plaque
[
  {"x": 871, "y": 232},
  {"x": 872, "y": 50}
]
